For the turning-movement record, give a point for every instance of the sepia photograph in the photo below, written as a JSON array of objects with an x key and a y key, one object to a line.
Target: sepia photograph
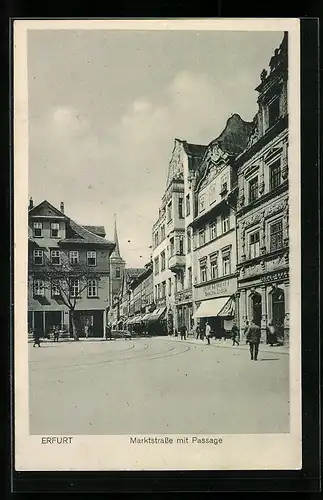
[{"x": 157, "y": 200}]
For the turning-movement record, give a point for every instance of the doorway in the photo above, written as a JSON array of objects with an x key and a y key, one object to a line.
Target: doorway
[
  {"x": 278, "y": 311},
  {"x": 256, "y": 308}
]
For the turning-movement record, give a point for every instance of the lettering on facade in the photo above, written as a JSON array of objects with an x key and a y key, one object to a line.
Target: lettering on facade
[
  {"x": 278, "y": 275},
  {"x": 222, "y": 288}
]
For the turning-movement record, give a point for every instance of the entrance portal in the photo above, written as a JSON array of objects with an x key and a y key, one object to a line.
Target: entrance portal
[
  {"x": 278, "y": 311},
  {"x": 256, "y": 308}
]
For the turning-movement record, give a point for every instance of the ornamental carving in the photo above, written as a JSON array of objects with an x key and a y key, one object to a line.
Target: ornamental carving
[
  {"x": 175, "y": 169},
  {"x": 275, "y": 263},
  {"x": 253, "y": 270}
]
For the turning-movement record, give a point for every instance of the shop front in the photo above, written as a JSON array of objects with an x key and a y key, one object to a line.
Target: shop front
[
  {"x": 265, "y": 300},
  {"x": 184, "y": 309},
  {"x": 216, "y": 304}
]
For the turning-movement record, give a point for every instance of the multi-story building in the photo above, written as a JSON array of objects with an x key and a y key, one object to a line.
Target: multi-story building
[
  {"x": 68, "y": 263},
  {"x": 172, "y": 271},
  {"x": 123, "y": 307},
  {"x": 263, "y": 227},
  {"x": 141, "y": 295},
  {"x": 214, "y": 228}
]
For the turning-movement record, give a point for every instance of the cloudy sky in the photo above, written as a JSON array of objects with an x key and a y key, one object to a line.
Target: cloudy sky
[{"x": 105, "y": 107}]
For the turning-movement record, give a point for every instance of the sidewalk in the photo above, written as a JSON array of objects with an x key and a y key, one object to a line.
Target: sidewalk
[{"x": 227, "y": 344}]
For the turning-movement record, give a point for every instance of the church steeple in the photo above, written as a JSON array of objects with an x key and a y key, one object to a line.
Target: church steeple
[{"x": 116, "y": 251}]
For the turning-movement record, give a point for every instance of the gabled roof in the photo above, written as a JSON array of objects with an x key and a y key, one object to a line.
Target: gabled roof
[
  {"x": 45, "y": 206},
  {"x": 196, "y": 150},
  {"x": 98, "y": 230},
  {"x": 133, "y": 272}
]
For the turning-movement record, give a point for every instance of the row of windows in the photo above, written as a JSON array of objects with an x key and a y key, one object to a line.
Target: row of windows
[
  {"x": 275, "y": 180},
  {"x": 275, "y": 239},
  {"x": 38, "y": 229},
  {"x": 159, "y": 234},
  {"x": 160, "y": 289},
  {"x": 211, "y": 271},
  {"x": 55, "y": 257},
  {"x": 213, "y": 192},
  {"x": 74, "y": 289},
  {"x": 225, "y": 227}
]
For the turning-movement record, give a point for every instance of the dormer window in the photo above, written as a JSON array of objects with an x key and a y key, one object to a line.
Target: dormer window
[
  {"x": 54, "y": 230},
  {"x": 38, "y": 229}
]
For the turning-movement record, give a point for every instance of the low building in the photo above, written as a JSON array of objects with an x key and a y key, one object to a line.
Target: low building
[
  {"x": 214, "y": 229},
  {"x": 68, "y": 264},
  {"x": 263, "y": 209}
]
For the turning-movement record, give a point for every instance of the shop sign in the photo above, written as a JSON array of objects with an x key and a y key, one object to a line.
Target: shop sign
[
  {"x": 218, "y": 289},
  {"x": 276, "y": 276},
  {"x": 183, "y": 297}
]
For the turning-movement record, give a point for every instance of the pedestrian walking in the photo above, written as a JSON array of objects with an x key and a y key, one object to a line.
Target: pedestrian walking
[
  {"x": 108, "y": 332},
  {"x": 198, "y": 332},
  {"x": 253, "y": 338},
  {"x": 208, "y": 333},
  {"x": 271, "y": 334},
  {"x": 234, "y": 334},
  {"x": 56, "y": 334},
  {"x": 36, "y": 337},
  {"x": 183, "y": 331}
]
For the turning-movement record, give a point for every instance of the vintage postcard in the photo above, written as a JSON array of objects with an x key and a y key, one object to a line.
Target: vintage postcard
[{"x": 157, "y": 244}]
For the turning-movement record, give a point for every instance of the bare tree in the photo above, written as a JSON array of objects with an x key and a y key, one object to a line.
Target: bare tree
[{"x": 68, "y": 281}]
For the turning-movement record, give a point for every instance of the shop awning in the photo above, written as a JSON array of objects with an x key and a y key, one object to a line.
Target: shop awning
[
  {"x": 210, "y": 308},
  {"x": 145, "y": 316},
  {"x": 157, "y": 314},
  {"x": 228, "y": 310}
]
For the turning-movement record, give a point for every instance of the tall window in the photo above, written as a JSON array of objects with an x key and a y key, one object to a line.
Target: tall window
[
  {"x": 92, "y": 288},
  {"x": 254, "y": 245},
  {"x": 55, "y": 290},
  {"x": 189, "y": 279},
  {"x": 201, "y": 203},
  {"x": 91, "y": 258},
  {"x": 214, "y": 266},
  {"x": 163, "y": 289},
  {"x": 74, "y": 256},
  {"x": 203, "y": 276},
  {"x": 181, "y": 245},
  {"x": 54, "y": 230},
  {"x": 158, "y": 291},
  {"x": 188, "y": 205},
  {"x": 224, "y": 184},
  {"x": 213, "y": 230},
  {"x": 201, "y": 237},
  {"x": 273, "y": 112},
  {"x": 118, "y": 272},
  {"x": 212, "y": 194},
  {"x": 169, "y": 286},
  {"x": 156, "y": 236},
  {"x": 169, "y": 211},
  {"x": 253, "y": 189},
  {"x": 75, "y": 287},
  {"x": 38, "y": 257},
  {"x": 156, "y": 262},
  {"x": 189, "y": 241},
  {"x": 276, "y": 235},
  {"x": 226, "y": 262},
  {"x": 162, "y": 232},
  {"x": 180, "y": 208},
  {"x": 39, "y": 288},
  {"x": 225, "y": 223},
  {"x": 55, "y": 257},
  {"x": 162, "y": 261},
  {"x": 274, "y": 175},
  {"x": 38, "y": 229},
  {"x": 171, "y": 247}
]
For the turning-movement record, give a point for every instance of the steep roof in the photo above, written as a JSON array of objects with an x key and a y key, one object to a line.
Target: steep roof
[
  {"x": 133, "y": 272},
  {"x": 98, "y": 230},
  {"x": 116, "y": 252},
  {"x": 234, "y": 138},
  {"x": 196, "y": 150},
  {"x": 80, "y": 234}
]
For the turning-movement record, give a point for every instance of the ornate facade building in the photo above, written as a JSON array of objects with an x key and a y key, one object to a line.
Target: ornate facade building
[
  {"x": 214, "y": 229},
  {"x": 262, "y": 215},
  {"x": 172, "y": 250}
]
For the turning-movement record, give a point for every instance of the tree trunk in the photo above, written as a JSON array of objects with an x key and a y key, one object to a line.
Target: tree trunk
[{"x": 73, "y": 325}]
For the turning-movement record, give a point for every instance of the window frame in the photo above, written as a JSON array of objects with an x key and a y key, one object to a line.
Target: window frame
[
  {"x": 226, "y": 257},
  {"x": 203, "y": 270},
  {"x": 181, "y": 207},
  {"x": 214, "y": 260},
  {"x": 253, "y": 189},
  {"x": 94, "y": 256},
  {"x": 278, "y": 220},
  {"x": 200, "y": 233},
  {"x": 54, "y": 229},
  {"x": 250, "y": 245},
  {"x": 225, "y": 218},
  {"x": 212, "y": 226},
  {"x": 95, "y": 287},
  {"x": 41, "y": 255},
  {"x": 42, "y": 287},
  {"x": 162, "y": 260},
  {"x": 271, "y": 168},
  {"x": 36, "y": 223},
  {"x": 52, "y": 290},
  {"x": 201, "y": 203},
  {"x": 188, "y": 241},
  {"x": 73, "y": 288},
  {"x": 188, "y": 204},
  {"x": 71, "y": 257},
  {"x": 156, "y": 265},
  {"x": 55, "y": 257}
]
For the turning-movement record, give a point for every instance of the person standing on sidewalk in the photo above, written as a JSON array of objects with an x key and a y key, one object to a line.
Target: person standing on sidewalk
[
  {"x": 36, "y": 337},
  {"x": 208, "y": 333},
  {"x": 253, "y": 338},
  {"x": 234, "y": 334},
  {"x": 182, "y": 331}
]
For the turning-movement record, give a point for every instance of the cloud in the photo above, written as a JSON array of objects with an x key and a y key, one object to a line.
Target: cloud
[{"x": 100, "y": 169}]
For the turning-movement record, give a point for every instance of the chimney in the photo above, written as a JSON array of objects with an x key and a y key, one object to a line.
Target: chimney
[
  {"x": 62, "y": 207},
  {"x": 31, "y": 203}
]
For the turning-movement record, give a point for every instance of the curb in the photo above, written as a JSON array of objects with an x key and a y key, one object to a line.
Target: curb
[{"x": 242, "y": 347}]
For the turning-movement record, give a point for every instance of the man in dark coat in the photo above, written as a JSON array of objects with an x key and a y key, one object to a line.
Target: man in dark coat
[
  {"x": 253, "y": 338},
  {"x": 234, "y": 334},
  {"x": 183, "y": 330},
  {"x": 37, "y": 335}
]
